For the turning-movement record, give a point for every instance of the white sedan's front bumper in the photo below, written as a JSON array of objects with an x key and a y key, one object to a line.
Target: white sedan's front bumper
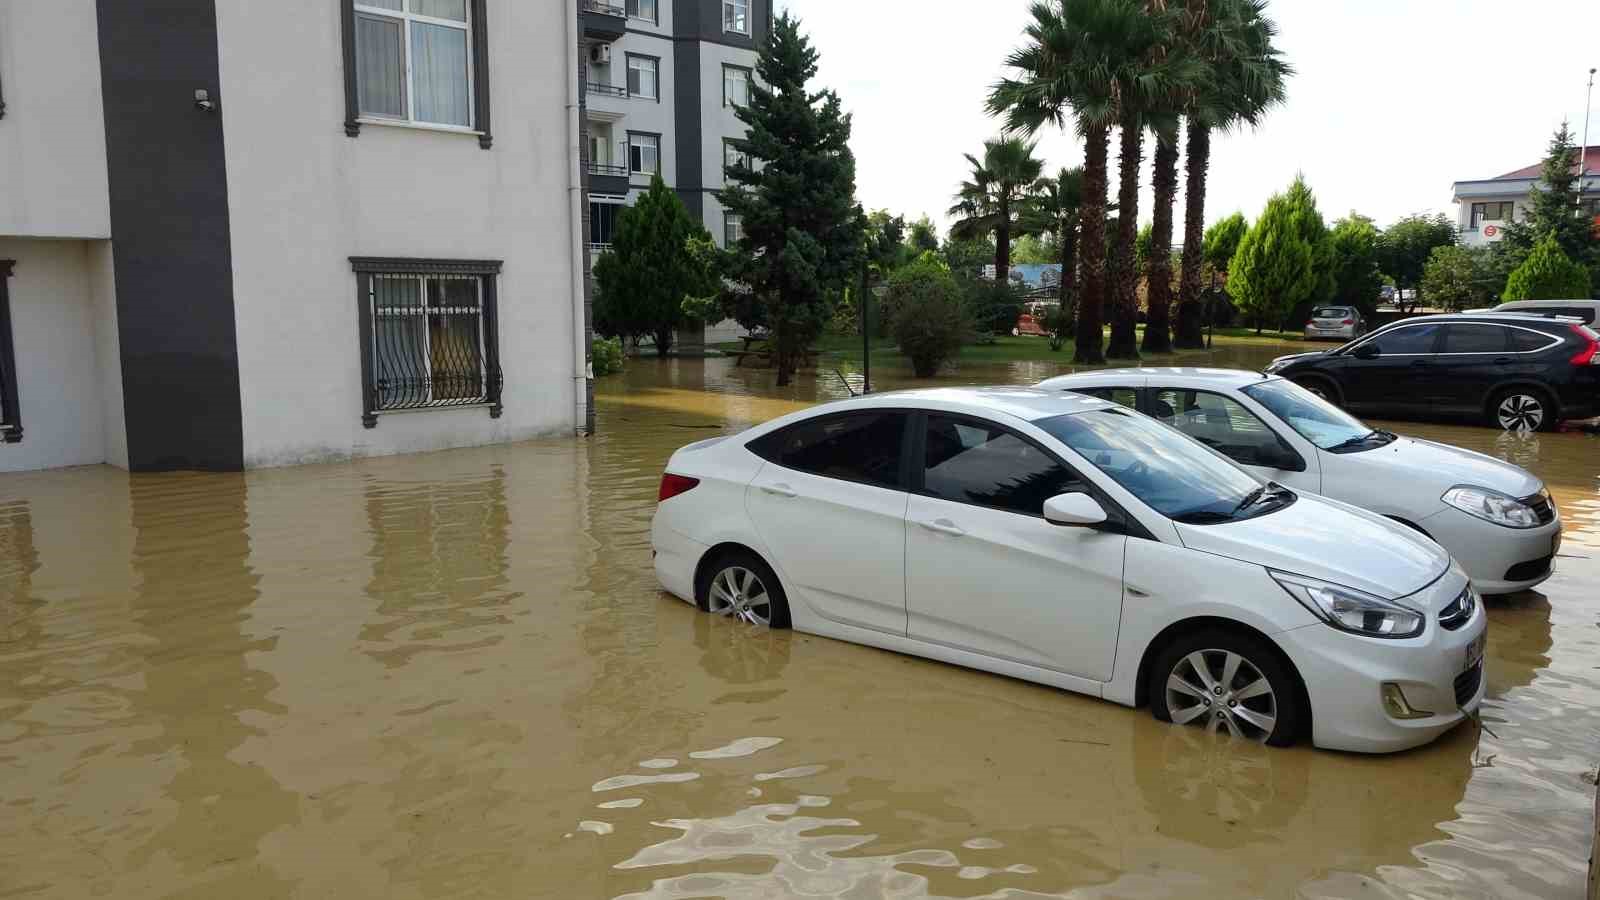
[
  {"x": 1490, "y": 552},
  {"x": 1344, "y": 676}
]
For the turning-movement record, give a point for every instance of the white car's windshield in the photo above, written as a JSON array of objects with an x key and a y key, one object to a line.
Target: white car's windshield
[
  {"x": 1314, "y": 418},
  {"x": 1172, "y": 474}
]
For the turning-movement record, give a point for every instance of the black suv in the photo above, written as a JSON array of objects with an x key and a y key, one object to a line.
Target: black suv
[{"x": 1517, "y": 372}]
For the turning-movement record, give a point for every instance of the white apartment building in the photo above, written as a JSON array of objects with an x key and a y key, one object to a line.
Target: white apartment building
[
  {"x": 215, "y": 254},
  {"x": 662, "y": 79},
  {"x": 1485, "y": 206}
]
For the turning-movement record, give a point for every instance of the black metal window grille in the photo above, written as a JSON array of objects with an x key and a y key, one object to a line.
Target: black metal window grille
[
  {"x": 10, "y": 412},
  {"x": 429, "y": 335}
]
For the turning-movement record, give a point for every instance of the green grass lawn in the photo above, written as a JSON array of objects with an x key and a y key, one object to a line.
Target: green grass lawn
[{"x": 1022, "y": 349}]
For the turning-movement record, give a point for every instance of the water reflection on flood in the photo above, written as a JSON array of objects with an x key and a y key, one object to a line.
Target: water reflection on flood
[{"x": 453, "y": 675}]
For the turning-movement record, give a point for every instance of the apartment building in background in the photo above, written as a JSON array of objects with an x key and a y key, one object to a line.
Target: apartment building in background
[
  {"x": 662, "y": 80},
  {"x": 216, "y": 254},
  {"x": 1486, "y": 206}
]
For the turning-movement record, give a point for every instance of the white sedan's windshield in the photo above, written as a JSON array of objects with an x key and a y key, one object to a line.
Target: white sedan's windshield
[
  {"x": 1172, "y": 474},
  {"x": 1312, "y": 417}
]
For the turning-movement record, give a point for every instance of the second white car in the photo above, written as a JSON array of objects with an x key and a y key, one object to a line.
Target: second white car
[{"x": 1496, "y": 518}]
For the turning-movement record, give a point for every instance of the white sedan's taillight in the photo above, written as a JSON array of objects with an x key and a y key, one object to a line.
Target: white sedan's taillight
[{"x": 673, "y": 485}]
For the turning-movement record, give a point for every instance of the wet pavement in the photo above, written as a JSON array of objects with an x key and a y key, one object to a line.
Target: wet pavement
[{"x": 452, "y": 675}]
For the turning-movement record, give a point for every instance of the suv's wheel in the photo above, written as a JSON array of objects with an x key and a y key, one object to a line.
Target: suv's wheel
[
  {"x": 1522, "y": 409},
  {"x": 1226, "y": 682},
  {"x": 739, "y": 584}
]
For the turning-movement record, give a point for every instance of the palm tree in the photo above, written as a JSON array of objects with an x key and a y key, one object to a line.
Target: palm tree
[
  {"x": 1055, "y": 210},
  {"x": 1245, "y": 77},
  {"x": 994, "y": 197},
  {"x": 1075, "y": 59},
  {"x": 1147, "y": 85}
]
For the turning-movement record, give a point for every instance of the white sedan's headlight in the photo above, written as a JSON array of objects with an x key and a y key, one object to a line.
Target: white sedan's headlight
[
  {"x": 1491, "y": 506},
  {"x": 1348, "y": 609}
]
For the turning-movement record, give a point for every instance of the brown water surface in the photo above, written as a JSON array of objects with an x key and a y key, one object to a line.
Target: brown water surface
[{"x": 452, "y": 675}]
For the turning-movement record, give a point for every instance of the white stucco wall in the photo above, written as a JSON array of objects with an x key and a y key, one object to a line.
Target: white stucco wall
[
  {"x": 52, "y": 139},
  {"x": 717, "y": 122},
  {"x": 303, "y": 198},
  {"x": 108, "y": 351},
  {"x": 58, "y": 375},
  {"x": 1477, "y": 238}
]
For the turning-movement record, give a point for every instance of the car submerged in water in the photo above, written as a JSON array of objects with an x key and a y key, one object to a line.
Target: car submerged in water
[
  {"x": 1497, "y": 519},
  {"x": 1069, "y": 541}
]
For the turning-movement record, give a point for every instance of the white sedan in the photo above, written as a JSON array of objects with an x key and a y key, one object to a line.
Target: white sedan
[
  {"x": 1066, "y": 540},
  {"x": 1496, "y": 518}
]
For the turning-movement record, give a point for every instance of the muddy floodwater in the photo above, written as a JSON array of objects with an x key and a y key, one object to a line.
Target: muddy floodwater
[{"x": 452, "y": 675}]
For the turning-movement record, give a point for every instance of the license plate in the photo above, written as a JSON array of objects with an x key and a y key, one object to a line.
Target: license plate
[{"x": 1474, "y": 654}]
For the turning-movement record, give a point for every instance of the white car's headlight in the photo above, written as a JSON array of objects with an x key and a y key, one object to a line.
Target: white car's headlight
[
  {"x": 1491, "y": 506},
  {"x": 1348, "y": 609}
]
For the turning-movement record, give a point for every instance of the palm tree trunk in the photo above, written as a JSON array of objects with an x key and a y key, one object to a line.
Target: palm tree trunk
[
  {"x": 1002, "y": 245},
  {"x": 1124, "y": 342},
  {"x": 1158, "y": 270},
  {"x": 1190, "y": 334},
  {"x": 1067, "y": 289},
  {"x": 1092, "y": 247}
]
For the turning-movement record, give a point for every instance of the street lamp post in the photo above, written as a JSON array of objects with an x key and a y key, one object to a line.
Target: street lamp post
[{"x": 1583, "y": 151}]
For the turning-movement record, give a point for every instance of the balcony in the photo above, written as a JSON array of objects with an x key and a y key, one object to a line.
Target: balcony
[
  {"x": 607, "y": 90},
  {"x": 608, "y": 179},
  {"x": 604, "y": 21}
]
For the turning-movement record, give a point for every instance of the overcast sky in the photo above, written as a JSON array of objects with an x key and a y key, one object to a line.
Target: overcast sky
[{"x": 1392, "y": 100}]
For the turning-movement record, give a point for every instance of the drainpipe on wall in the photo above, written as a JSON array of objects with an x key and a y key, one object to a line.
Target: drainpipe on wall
[{"x": 582, "y": 368}]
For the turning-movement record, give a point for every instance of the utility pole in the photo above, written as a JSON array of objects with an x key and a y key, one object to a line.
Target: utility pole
[{"x": 1583, "y": 151}]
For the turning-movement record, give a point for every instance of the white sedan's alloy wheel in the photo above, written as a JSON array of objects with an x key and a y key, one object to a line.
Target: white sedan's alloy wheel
[
  {"x": 738, "y": 592},
  {"x": 1222, "y": 691}
]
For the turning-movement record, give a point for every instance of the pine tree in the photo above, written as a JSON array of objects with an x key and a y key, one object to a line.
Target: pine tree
[
  {"x": 802, "y": 229},
  {"x": 1552, "y": 206},
  {"x": 1547, "y": 274},
  {"x": 649, "y": 270},
  {"x": 1283, "y": 259}
]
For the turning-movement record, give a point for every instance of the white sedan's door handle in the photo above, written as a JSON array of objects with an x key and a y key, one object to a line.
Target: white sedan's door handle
[
  {"x": 779, "y": 490},
  {"x": 943, "y": 526}
]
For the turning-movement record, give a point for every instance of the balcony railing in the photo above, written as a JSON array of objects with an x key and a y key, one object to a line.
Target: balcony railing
[
  {"x": 604, "y": 169},
  {"x": 609, "y": 9},
  {"x": 610, "y": 90}
]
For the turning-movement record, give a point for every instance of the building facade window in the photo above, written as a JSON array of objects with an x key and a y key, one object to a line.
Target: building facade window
[
  {"x": 602, "y": 223},
  {"x": 429, "y": 334},
  {"x": 643, "y": 80},
  {"x": 735, "y": 86},
  {"x": 642, "y": 9},
  {"x": 644, "y": 153},
  {"x": 1499, "y": 211},
  {"x": 732, "y": 157},
  {"x": 736, "y": 16},
  {"x": 732, "y": 230},
  {"x": 419, "y": 62},
  {"x": 10, "y": 412}
]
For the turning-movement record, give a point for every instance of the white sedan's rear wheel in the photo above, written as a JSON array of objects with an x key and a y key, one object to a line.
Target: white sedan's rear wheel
[{"x": 740, "y": 585}]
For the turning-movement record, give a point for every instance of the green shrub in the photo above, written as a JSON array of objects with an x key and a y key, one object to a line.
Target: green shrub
[
  {"x": 607, "y": 356},
  {"x": 992, "y": 307},
  {"x": 1547, "y": 274},
  {"x": 930, "y": 321}
]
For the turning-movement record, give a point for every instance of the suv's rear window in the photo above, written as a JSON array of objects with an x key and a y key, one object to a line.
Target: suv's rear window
[{"x": 1524, "y": 341}]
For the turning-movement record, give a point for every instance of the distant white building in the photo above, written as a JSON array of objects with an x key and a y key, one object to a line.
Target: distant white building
[
  {"x": 1486, "y": 206},
  {"x": 662, "y": 80}
]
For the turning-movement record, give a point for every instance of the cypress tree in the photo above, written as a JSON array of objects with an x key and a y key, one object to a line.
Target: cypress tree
[
  {"x": 802, "y": 231},
  {"x": 650, "y": 270},
  {"x": 1547, "y": 274}
]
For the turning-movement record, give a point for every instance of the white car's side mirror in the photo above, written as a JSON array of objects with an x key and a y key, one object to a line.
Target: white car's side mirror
[{"x": 1076, "y": 509}]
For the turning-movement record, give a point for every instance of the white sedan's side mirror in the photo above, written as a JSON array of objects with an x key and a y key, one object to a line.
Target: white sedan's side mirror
[{"x": 1076, "y": 509}]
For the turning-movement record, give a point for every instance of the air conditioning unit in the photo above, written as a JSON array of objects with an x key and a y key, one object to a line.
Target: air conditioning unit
[{"x": 600, "y": 54}]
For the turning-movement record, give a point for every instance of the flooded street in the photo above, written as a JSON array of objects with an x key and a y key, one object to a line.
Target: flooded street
[{"x": 453, "y": 675}]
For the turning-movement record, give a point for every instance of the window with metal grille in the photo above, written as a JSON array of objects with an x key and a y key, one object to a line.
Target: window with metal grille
[
  {"x": 428, "y": 334},
  {"x": 10, "y": 413}
]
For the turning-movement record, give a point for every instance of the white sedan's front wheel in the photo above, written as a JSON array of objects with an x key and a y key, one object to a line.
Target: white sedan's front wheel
[{"x": 1226, "y": 682}]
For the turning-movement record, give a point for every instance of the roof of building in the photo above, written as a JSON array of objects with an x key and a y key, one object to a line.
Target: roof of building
[{"x": 1591, "y": 163}]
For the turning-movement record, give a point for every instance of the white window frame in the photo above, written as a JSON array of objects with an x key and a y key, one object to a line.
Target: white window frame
[
  {"x": 606, "y": 200},
  {"x": 655, "y": 75},
  {"x": 749, "y": 76},
  {"x": 638, "y": 5},
  {"x": 405, "y": 17},
  {"x": 736, "y": 221},
  {"x": 643, "y": 134},
  {"x": 736, "y": 7},
  {"x": 738, "y": 160}
]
